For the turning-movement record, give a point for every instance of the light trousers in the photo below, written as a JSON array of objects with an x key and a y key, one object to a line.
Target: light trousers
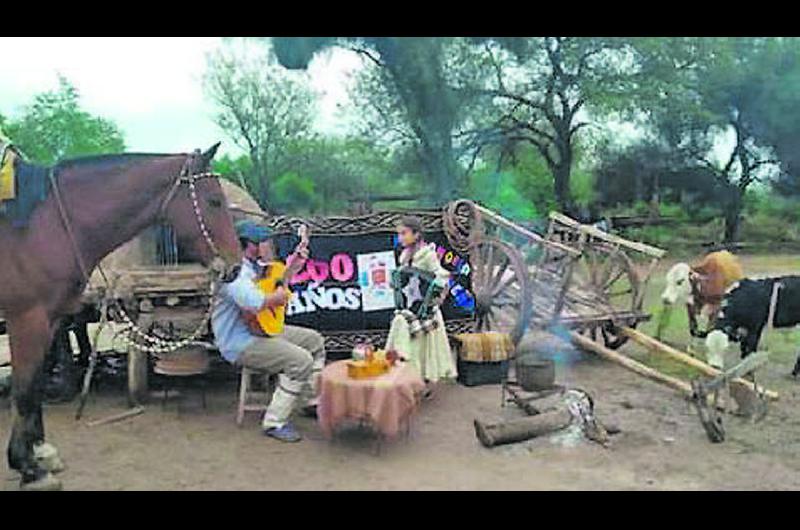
[{"x": 297, "y": 356}]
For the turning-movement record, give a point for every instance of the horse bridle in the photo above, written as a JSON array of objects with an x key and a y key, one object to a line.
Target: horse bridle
[
  {"x": 155, "y": 344},
  {"x": 187, "y": 177},
  {"x": 147, "y": 342}
]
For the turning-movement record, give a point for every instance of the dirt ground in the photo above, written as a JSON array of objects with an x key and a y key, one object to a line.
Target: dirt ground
[{"x": 662, "y": 444}]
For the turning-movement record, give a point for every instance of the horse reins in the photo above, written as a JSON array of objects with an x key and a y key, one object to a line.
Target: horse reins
[
  {"x": 153, "y": 344},
  {"x": 67, "y": 225},
  {"x": 157, "y": 344}
]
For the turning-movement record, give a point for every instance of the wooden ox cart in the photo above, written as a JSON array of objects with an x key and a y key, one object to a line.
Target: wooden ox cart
[{"x": 572, "y": 275}]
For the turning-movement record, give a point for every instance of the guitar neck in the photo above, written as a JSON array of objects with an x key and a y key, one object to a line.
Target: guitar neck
[{"x": 300, "y": 246}]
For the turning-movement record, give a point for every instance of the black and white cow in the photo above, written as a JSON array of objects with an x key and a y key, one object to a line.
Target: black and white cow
[{"x": 745, "y": 310}]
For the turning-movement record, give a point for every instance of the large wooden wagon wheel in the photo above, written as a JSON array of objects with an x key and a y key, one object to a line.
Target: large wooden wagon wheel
[
  {"x": 607, "y": 288},
  {"x": 501, "y": 287}
]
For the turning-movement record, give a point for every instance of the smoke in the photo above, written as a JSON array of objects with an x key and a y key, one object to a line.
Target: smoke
[
  {"x": 498, "y": 191},
  {"x": 561, "y": 351},
  {"x": 554, "y": 344}
]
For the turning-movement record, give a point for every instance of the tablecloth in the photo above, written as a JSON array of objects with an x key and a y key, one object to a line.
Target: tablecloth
[{"x": 386, "y": 401}]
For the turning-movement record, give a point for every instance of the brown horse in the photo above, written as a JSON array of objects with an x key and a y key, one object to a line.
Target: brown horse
[{"x": 107, "y": 200}]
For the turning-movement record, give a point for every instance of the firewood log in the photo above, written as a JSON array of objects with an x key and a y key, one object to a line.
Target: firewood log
[{"x": 518, "y": 430}]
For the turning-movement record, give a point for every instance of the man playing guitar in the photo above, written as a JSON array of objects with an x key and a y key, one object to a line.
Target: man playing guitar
[{"x": 297, "y": 354}]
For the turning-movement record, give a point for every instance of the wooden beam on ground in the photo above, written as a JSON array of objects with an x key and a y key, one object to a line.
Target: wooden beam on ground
[
  {"x": 664, "y": 349},
  {"x": 117, "y": 417},
  {"x": 634, "y": 366}
]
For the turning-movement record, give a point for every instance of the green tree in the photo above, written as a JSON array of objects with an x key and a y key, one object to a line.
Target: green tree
[
  {"x": 713, "y": 99},
  {"x": 238, "y": 170},
  {"x": 549, "y": 89},
  {"x": 776, "y": 107},
  {"x": 410, "y": 94},
  {"x": 343, "y": 170},
  {"x": 262, "y": 107},
  {"x": 292, "y": 192},
  {"x": 54, "y": 126}
]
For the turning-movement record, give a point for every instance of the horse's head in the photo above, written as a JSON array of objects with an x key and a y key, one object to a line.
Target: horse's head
[{"x": 198, "y": 212}]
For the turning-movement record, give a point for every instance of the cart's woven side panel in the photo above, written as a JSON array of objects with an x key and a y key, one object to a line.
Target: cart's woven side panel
[
  {"x": 365, "y": 224},
  {"x": 345, "y": 340}
]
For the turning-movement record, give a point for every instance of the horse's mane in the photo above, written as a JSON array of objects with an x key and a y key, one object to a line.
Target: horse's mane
[
  {"x": 105, "y": 161},
  {"x": 33, "y": 184}
]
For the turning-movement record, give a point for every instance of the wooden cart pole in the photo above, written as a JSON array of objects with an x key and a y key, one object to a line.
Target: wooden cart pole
[
  {"x": 681, "y": 386},
  {"x": 659, "y": 347}
]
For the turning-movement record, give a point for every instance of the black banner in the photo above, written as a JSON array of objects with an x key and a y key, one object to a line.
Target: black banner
[{"x": 330, "y": 293}]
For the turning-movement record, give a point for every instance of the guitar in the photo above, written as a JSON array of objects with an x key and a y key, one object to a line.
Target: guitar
[{"x": 270, "y": 320}]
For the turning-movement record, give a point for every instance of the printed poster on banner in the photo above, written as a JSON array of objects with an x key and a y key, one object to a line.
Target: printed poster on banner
[{"x": 374, "y": 277}]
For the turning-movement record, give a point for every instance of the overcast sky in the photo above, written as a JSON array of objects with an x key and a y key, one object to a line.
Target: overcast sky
[{"x": 150, "y": 86}]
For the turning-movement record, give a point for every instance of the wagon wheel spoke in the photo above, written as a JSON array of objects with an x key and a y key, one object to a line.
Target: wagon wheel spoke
[
  {"x": 613, "y": 272},
  {"x": 505, "y": 300},
  {"x": 620, "y": 272},
  {"x": 491, "y": 321},
  {"x": 497, "y": 278},
  {"x": 509, "y": 282},
  {"x": 592, "y": 266},
  {"x": 500, "y": 285},
  {"x": 488, "y": 265},
  {"x": 476, "y": 263},
  {"x": 483, "y": 268}
]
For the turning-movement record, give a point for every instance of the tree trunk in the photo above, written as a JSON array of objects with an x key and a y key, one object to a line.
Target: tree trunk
[
  {"x": 733, "y": 217},
  {"x": 561, "y": 187},
  {"x": 438, "y": 159},
  {"x": 562, "y": 169}
]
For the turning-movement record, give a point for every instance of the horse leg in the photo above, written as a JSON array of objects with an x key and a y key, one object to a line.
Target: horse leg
[{"x": 30, "y": 333}]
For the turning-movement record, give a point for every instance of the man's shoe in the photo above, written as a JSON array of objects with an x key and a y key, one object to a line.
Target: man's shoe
[{"x": 284, "y": 434}]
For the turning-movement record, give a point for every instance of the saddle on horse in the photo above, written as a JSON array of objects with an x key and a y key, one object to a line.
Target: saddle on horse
[
  {"x": 22, "y": 185},
  {"x": 7, "y": 184}
]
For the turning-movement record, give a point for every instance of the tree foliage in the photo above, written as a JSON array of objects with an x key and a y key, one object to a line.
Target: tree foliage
[
  {"x": 262, "y": 107},
  {"x": 54, "y": 126},
  {"x": 410, "y": 93},
  {"x": 523, "y": 123},
  {"x": 713, "y": 98},
  {"x": 550, "y": 88}
]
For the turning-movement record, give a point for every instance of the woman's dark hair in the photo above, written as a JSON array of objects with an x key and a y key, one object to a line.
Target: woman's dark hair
[{"x": 412, "y": 222}]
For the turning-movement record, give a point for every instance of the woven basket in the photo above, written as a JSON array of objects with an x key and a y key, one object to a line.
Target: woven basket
[
  {"x": 186, "y": 362},
  {"x": 489, "y": 346}
]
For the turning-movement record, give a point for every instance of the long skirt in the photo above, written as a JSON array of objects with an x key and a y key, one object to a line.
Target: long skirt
[{"x": 428, "y": 352}]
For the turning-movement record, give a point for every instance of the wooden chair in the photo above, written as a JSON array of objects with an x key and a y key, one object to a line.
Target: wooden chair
[{"x": 250, "y": 400}]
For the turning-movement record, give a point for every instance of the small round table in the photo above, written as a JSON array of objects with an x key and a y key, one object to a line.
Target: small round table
[{"x": 386, "y": 402}]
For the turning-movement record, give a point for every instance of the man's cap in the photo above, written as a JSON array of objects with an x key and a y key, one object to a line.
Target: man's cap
[{"x": 252, "y": 231}]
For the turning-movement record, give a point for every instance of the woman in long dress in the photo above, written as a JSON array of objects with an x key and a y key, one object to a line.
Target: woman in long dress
[{"x": 429, "y": 350}]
